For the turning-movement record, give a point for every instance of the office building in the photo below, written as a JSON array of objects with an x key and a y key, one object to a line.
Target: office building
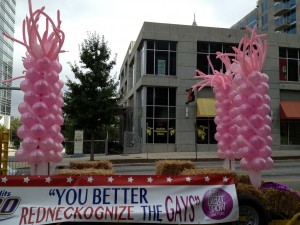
[
  {"x": 7, "y": 23},
  {"x": 159, "y": 68},
  {"x": 278, "y": 16}
]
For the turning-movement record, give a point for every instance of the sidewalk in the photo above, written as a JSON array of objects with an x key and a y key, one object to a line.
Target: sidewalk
[{"x": 152, "y": 157}]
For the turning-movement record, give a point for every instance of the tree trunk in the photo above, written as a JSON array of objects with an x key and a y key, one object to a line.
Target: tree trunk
[{"x": 92, "y": 145}]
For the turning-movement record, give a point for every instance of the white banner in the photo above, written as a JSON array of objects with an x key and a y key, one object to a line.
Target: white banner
[{"x": 197, "y": 199}]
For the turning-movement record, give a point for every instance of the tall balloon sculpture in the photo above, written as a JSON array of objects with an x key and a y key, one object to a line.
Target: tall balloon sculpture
[
  {"x": 242, "y": 106},
  {"x": 41, "y": 113}
]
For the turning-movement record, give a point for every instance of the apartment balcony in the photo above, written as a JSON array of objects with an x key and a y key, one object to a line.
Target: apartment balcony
[
  {"x": 282, "y": 23},
  {"x": 282, "y": 8}
]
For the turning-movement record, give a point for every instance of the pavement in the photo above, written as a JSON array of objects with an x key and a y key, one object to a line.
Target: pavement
[
  {"x": 139, "y": 158},
  {"x": 152, "y": 157}
]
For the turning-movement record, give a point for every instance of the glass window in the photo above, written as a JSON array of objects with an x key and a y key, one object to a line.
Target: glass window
[
  {"x": 289, "y": 62},
  {"x": 289, "y": 132},
  {"x": 206, "y": 129},
  {"x": 150, "y": 62},
  {"x": 161, "y": 57},
  {"x": 161, "y": 115},
  {"x": 209, "y": 49}
]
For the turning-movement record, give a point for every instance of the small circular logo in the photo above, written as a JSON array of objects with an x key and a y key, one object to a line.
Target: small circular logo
[{"x": 217, "y": 204}]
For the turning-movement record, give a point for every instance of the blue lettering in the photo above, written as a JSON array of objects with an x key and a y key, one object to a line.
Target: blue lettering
[
  {"x": 60, "y": 195},
  {"x": 97, "y": 196}
]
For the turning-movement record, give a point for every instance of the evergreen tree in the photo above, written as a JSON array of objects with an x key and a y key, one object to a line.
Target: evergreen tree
[{"x": 91, "y": 101}]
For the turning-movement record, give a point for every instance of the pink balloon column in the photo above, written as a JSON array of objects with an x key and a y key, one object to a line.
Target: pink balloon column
[
  {"x": 41, "y": 113},
  {"x": 252, "y": 102},
  {"x": 222, "y": 88}
]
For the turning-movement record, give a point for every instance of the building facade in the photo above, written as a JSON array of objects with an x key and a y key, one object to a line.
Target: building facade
[
  {"x": 159, "y": 68},
  {"x": 7, "y": 23},
  {"x": 281, "y": 16}
]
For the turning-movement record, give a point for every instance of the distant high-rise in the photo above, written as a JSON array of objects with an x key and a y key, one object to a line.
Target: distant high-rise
[
  {"x": 7, "y": 23},
  {"x": 274, "y": 16}
]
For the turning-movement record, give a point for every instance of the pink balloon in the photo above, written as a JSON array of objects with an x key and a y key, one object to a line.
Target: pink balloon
[
  {"x": 38, "y": 131},
  {"x": 262, "y": 88},
  {"x": 47, "y": 144},
  {"x": 56, "y": 66},
  {"x": 266, "y": 99},
  {"x": 31, "y": 98},
  {"x": 265, "y": 78},
  {"x": 54, "y": 110},
  {"x": 36, "y": 157},
  {"x": 227, "y": 138},
  {"x": 240, "y": 121},
  {"x": 255, "y": 77},
  {"x": 257, "y": 142},
  {"x": 238, "y": 79},
  {"x": 60, "y": 84},
  {"x": 22, "y": 131},
  {"x": 258, "y": 163},
  {"x": 233, "y": 129},
  {"x": 41, "y": 87},
  {"x": 246, "y": 109},
  {"x": 58, "y": 147},
  {"x": 241, "y": 141},
  {"x": 59, "y": 102},
  {"x": 218, "y": 136},
  {"x": 269, "y": 140},
  {"x": 263, "y": 110},
  {"x": 28, "y": 62},
  {"x": 26, "y": 85},
  {"x": 49, "y": 99},
  {"x": 30, "y": 143},
  {"x": 246, "y": 131},
  {"x": 229, "y": 154},
  {"x": 51, "y": 77},
  {"x": 244, "y": 164},
  {"x": 221, "y": 154},
  {"x": 53, "y": 131},
  {"x": 265, "y": 152},
  {"x": 221, "y": 112},
  {"x": 21, "y": 155},
  {"x": 264, "y": 131},
  {"x": 59, "y": 138},
  {"x": 256, "y": 120},
  {"x": 268, "y": 119},
  {"x": 226, "y": 119},
  {"x": 255, "y": 99},
  {"x": 233, "y": 112},
  {"x": 40, "y": 108},
  {"x": 55, "y": 156},
  {"x": 269, "y": 163},
  {"x": 56, "y": 88},
  {"x": 49, "y": 120},
  {"x": 217, "y": 120},
  {"x": 59, "y": 120},
  {"x": 33, "y": 75},
  {"x": 246, "y": 152},
  {"x": 43, "y": 63},
  {"x": 220, "y": 96},
  {"x": 245, "y": 89},
  {"x": 226, "y": 104},
  {"x": 223, "y": 145},
  {"x": 239, "y": 100},
  {"x": 22, "y": 107},
  {"x": 28, "y": 119}
]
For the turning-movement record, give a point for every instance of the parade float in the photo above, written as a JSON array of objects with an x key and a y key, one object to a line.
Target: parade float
[{"x": 179, "y": 193}]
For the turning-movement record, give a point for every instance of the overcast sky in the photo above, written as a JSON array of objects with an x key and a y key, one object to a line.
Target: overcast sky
[{"x": 120, "y": 22}]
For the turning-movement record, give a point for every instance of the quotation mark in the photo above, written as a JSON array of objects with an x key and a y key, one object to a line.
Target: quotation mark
[{"x": 52, "y": 192}]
